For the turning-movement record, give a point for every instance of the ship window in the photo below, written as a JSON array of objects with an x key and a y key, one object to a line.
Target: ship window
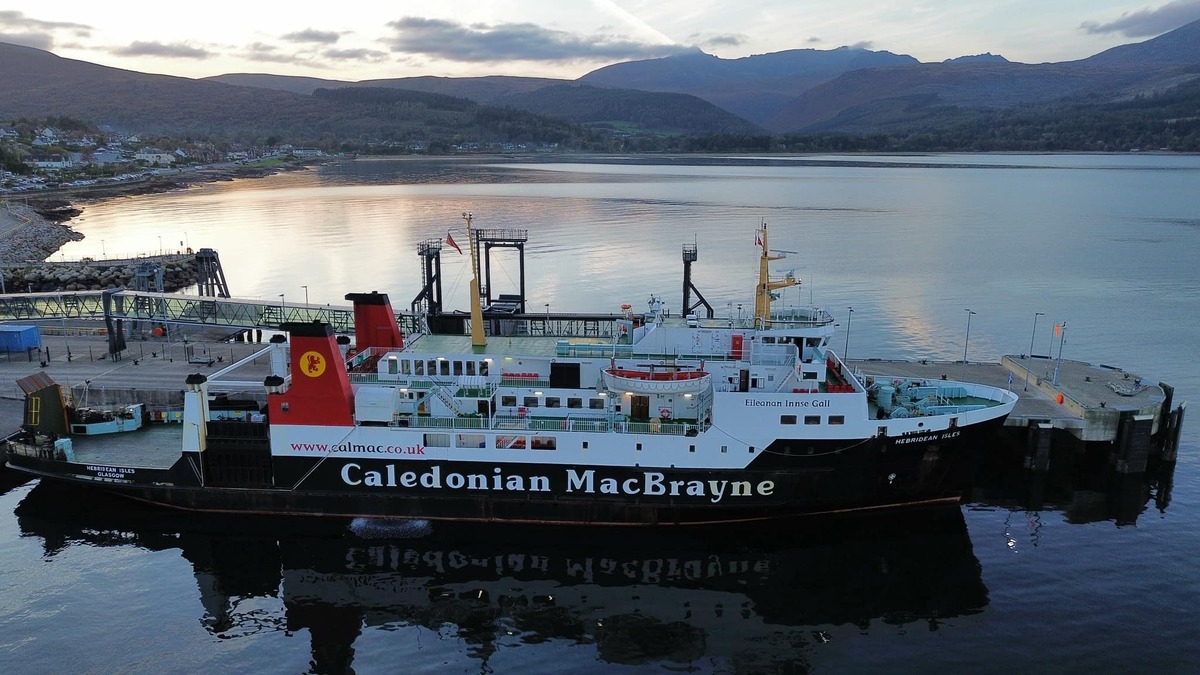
[
  {"x": 574, "y": 403},
  {"x": 837, "y": 419},
  {"x": 483, "y": 368},
  {"x": 812, "y": 419},
  {"x": 787, "y": 419},
  {"x": 752, "y": 449},
  {"x": 431, "y": 367},
  {"x": 953, "y": 422},
  {"x": 724, "y": 448},
  {"x": 639, "y": 447},
  {"x": 510, "y": 442},
  {"x": 544, "y": 443},
  {"x": 470, "y": 441},
  {"x": 418, "y": 367},
  {"x": 585, "y": 445},
  {"x": 810, "y": 375},
  {"x": 596, "y": 403},
  {"x": 437, "y": 440},
  {"x": 553, "y": 402},
  {"x": 470, "y": 367},
  {"x": 508, "y": 401},
  {"x": 445, "y": 368},
  {"x": 768, "y": 340},
  {"x": 406, "y": 367},
  {"x": 458, "y": 367},
  {"x": 530, "y": 402},
  {"x": 691, "y": 448}
]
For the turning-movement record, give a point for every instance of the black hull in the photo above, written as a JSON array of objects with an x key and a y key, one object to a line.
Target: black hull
[{"x": 789, "y": 479}]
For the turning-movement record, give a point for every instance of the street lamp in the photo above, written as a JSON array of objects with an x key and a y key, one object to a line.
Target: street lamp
[
  {"x": 1031, "y": 337},
  {"x": 846, "y": 351},
  {"x": 1062, "y": 332},
  {"x": 966, "y": 341},
  {"x": 160, "y": 244},
  {"x": 305, "y": 287},
  {"x": 282, "y": 309}
]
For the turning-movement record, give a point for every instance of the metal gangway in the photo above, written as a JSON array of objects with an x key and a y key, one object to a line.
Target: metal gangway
[{"x": 172, "y": 308}]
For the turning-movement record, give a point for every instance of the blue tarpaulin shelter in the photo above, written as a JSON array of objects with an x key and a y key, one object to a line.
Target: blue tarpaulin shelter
[{"x": 19, "y": 338}]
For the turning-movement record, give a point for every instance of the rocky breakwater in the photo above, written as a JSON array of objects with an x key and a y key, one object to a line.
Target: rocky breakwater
[
  {"x": 93, "y": 275},
  {"x": 26, "y": 235}
]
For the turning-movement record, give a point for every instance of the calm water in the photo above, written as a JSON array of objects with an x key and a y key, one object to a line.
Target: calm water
[{"x": 1101, "y": 577}]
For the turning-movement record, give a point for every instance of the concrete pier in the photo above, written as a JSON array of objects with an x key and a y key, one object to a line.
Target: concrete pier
[{"x": 1088, "y": 401}]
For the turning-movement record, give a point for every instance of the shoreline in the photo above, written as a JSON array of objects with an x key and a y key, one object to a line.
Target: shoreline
[{"x": 33, "y": 226}]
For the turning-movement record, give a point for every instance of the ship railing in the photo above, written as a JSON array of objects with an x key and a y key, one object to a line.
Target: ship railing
[
  {"x": 523, "y": 380},
  {"x": 661, "y": 428},
  {"x": 426, "y": 422},
  {"x": 358, "y": 358},
  {"x": 568, "y": 423}
]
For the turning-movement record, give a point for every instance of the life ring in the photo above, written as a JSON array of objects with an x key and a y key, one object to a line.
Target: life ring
[{"x": 664, "y": 413}]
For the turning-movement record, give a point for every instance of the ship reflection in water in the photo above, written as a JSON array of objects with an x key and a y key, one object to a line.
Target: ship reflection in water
[
  {"x": 755, "y": 598},
  {"x": 637, "y": 597}
]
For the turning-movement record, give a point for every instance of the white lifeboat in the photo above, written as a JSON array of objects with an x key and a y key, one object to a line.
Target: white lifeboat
[{"x": 656, "y": 381}]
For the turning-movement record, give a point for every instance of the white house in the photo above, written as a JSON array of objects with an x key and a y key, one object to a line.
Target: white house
[
  {"x": 49, "y": 161},
  {"x": 155, "y": 157}
]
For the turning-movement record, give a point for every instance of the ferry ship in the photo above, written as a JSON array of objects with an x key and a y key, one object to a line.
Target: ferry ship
[{"x": 674, "y": 420}]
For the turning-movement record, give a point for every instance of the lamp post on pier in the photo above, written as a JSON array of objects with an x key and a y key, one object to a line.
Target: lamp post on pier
[
  {"x": 1031, "y": 337},
  {"x": 1062, "y": 332},
  {"x": 282, "y": 309},
  {"x": 966, "y": 341},
  {"x": 846, "y": 350}
]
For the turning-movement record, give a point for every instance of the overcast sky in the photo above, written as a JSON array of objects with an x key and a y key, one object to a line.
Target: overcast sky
[{"x": 356, "y": 40}]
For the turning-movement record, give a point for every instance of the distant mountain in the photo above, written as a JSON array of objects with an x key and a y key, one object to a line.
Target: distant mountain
[
  {"x": 1179, "y": 48},
  {"x": 478, "y": 89},
  {"x": 986, "y": 57},
  {"x": 627, "y": 110},
  {"x": 290, "y": 83},
  {"x": 754, "y": 87},
  {"x": 840, "y": 91},
  {"x": 40, "y": 85},
  {"x": 880, "y": 100}
]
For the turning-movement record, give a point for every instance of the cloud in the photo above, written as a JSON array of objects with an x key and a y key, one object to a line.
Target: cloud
[
  {"x": 43, "y": 41},
  {"x": 310, "y": 35},
  {"x": 370, "y": 55},
  {"x": 13, "y": 19},
  {"x": 263, "y": 52},
  {"x": 177, "y": 50},
  {"x": 1148, "y": 22},
  {"x": 864, "y": 44},
  {"x": 725, "y": 40},
  {"x": 512, "y": 41},
  {"x": 18, "y": 29}
]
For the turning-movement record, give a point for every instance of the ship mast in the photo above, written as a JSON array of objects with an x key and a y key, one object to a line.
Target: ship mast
[
  {"x": 763, "y": 292},
  {"x": 478, "y": 339}
]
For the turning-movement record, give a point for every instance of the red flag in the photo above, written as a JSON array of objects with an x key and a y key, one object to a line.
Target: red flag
[
  {"x": 450, "y": 241},
  {"x": 1057, "y": 330}
]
